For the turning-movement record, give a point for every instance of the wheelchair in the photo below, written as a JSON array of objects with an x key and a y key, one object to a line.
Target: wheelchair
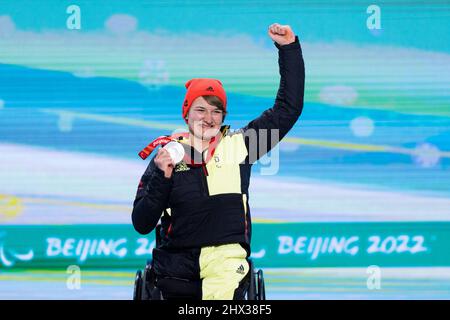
[{"x": 146, "y": 282}]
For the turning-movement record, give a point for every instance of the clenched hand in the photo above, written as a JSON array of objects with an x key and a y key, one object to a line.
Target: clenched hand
[
  {"x": 281, "y": 34},
  {"x": 164, "y": 161}
]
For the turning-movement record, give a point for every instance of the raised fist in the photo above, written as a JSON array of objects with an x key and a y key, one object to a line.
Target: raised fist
[{"x": 281, "y": 34}]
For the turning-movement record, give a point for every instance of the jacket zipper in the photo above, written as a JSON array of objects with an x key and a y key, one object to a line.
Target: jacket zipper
[
  {"x": 204, "y": 180},
  {"x": 244, "y": 201}
]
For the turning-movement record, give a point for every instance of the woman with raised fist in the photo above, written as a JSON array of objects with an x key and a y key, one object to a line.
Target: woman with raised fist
[{"x": 203, "y": 200}]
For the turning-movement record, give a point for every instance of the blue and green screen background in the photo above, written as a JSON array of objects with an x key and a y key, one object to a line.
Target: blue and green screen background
[{"x": 371, "y": 146}]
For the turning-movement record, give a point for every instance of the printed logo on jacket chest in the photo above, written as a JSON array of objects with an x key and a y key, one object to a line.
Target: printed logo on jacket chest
[
  {"x": 182, "y": 166},
  {"x": 217, "y": 161}
]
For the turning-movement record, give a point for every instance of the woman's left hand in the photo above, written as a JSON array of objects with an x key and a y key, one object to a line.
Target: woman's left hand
[{"x": 281, "y": 34}]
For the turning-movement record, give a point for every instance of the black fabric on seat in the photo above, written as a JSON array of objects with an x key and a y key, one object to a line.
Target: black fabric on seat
[{"x": 173, "y": 289}]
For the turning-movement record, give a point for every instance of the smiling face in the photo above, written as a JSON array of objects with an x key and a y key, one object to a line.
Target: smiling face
[{"x": 204, "y": 119}]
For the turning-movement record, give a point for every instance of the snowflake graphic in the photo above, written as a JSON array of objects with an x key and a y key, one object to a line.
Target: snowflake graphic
[
  {"x": 154, "y": 74},
  {"x": 427, "y": 155}
]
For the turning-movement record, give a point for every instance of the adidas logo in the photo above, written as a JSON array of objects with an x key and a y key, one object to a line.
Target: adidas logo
[
  {"x": 210, "y": 89},
  {"x": 181, "y": 167},
  {"x": 241, "y": 269}
]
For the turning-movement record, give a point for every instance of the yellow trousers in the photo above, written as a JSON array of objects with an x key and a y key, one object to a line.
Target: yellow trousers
[{"x": 221, "y": 269}]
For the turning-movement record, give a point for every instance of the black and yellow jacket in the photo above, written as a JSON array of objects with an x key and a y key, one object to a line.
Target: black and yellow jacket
[{"x": 208, "y": 204}]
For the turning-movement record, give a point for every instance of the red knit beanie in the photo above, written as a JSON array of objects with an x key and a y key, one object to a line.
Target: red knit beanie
[{"x": 203, "y": 87}]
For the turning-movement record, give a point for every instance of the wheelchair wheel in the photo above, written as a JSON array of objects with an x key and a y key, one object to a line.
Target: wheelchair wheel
[
  {"x": 261, "y": 286},
  {"x": 149, "y": 290},
  {"x": 146, "y": 284},
  {"x": 251, "y": 293},
  {"x": 138, "y": 285}
]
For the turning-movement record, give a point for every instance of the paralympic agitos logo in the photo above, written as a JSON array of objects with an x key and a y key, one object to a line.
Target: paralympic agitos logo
[{"x": 9, "y": 257}]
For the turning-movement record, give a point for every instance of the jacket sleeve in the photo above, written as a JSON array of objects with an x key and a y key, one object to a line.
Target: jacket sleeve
[
  {"x": 151, "y": 199},
  {"x": 264, "y": 132}
]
